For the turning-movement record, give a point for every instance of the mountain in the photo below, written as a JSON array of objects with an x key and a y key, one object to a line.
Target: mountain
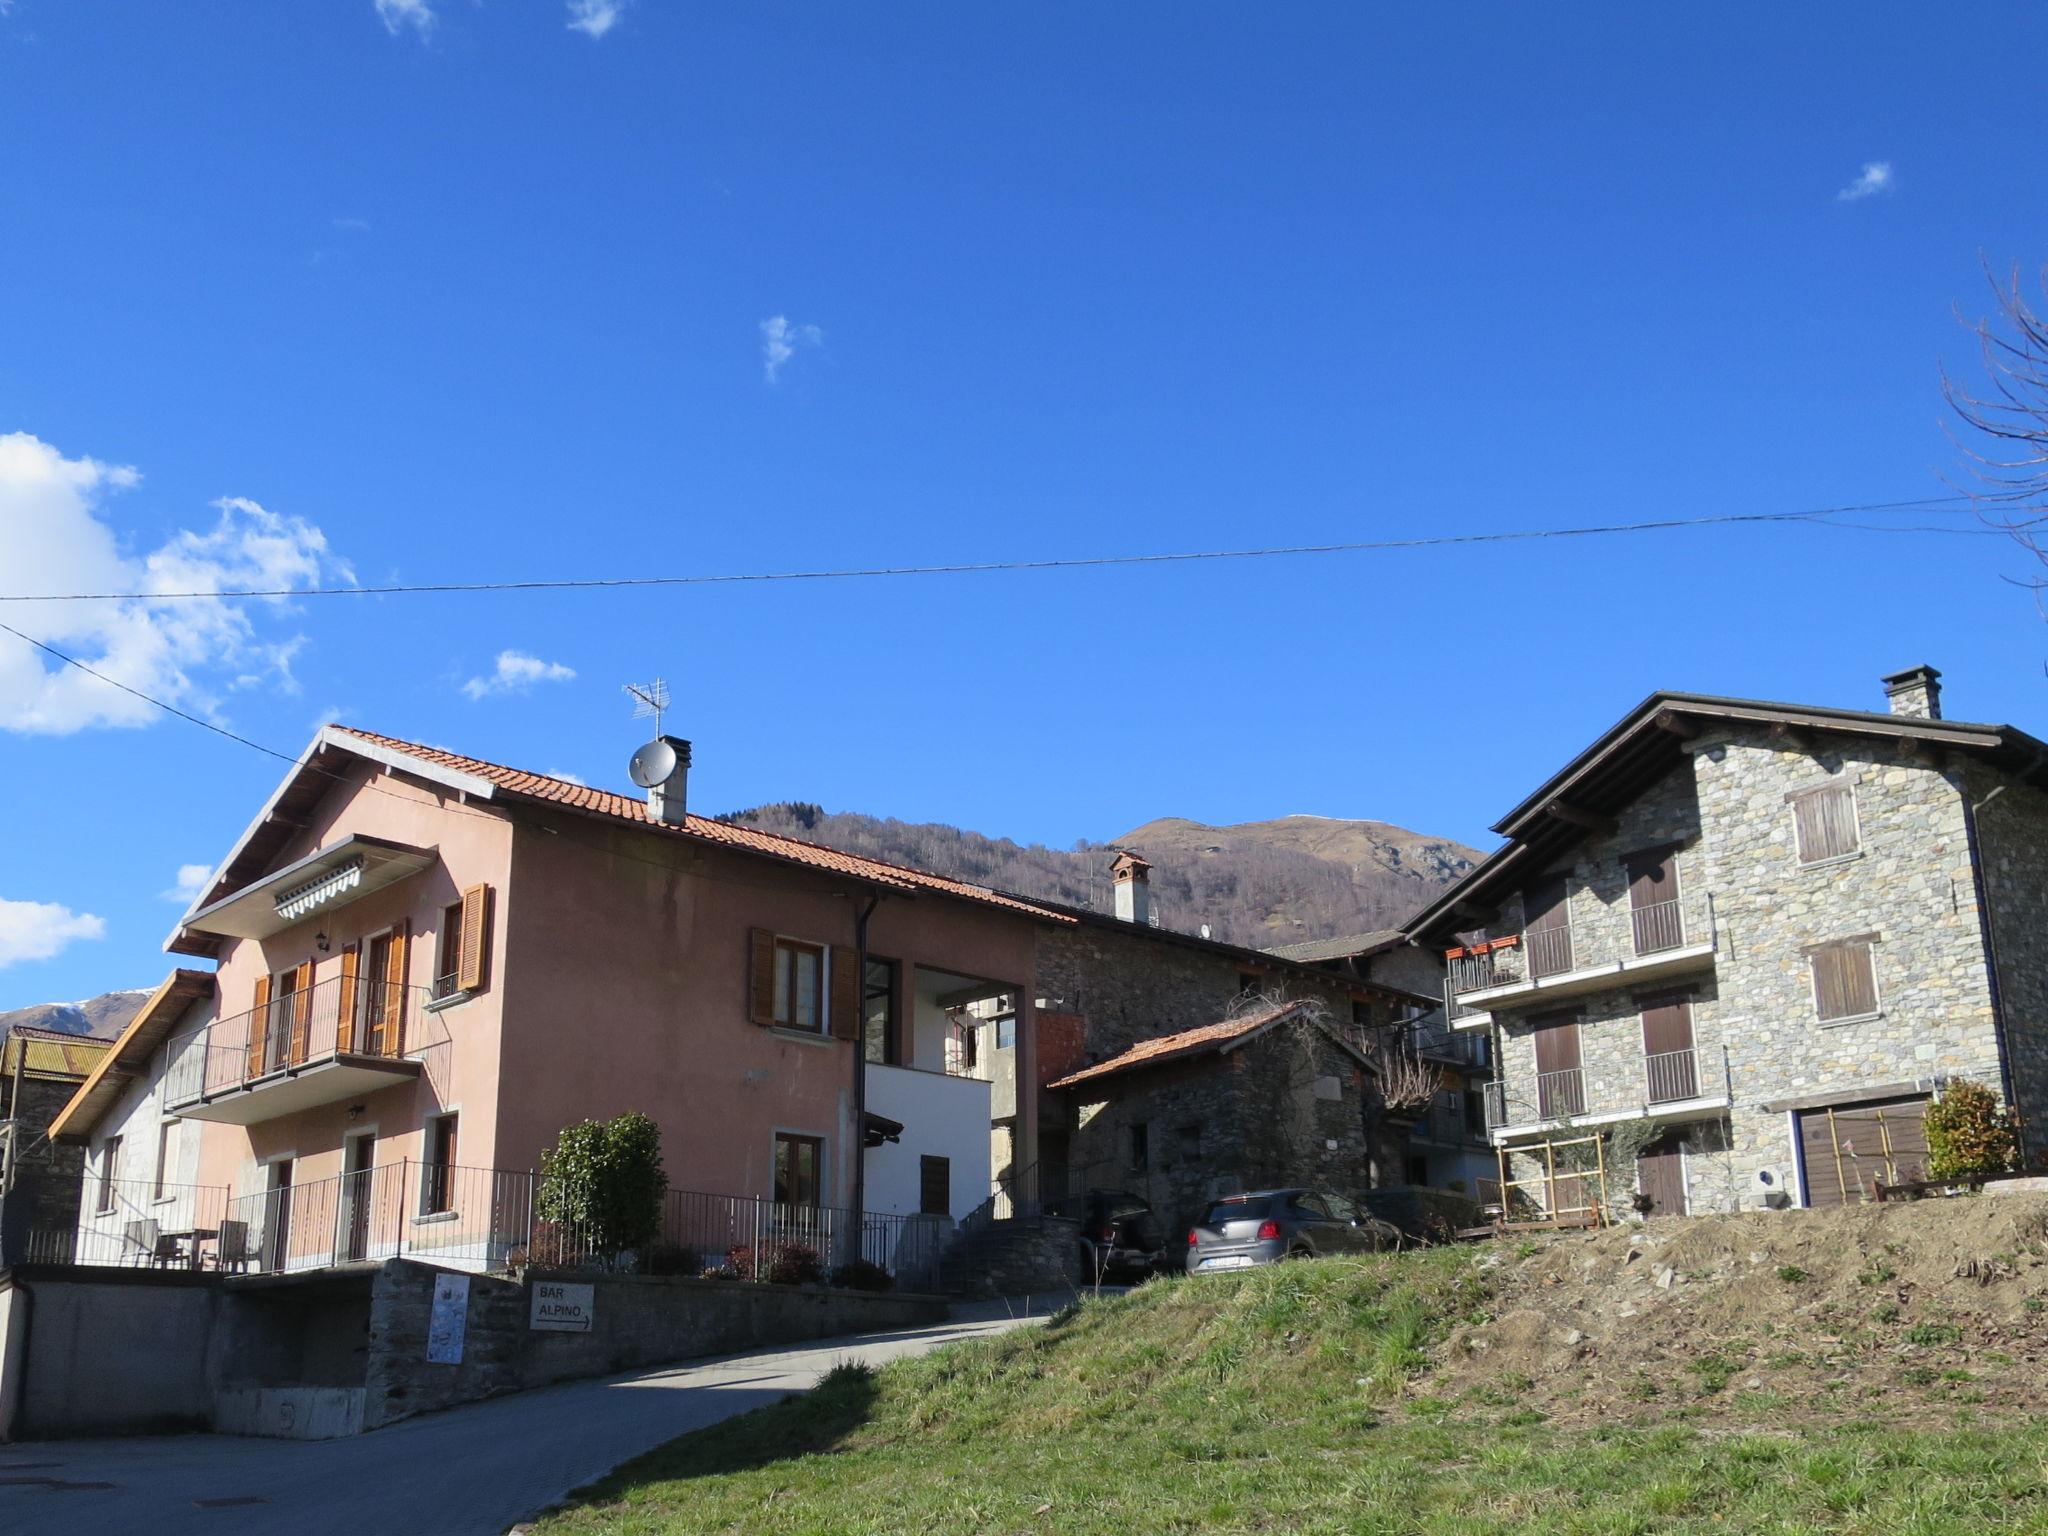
[
  {"x": 102, "y": 1017},
  {"x": 1258, "y": 883}
]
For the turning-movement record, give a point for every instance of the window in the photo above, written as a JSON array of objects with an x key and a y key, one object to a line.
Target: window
[
  {"x": 448, "y": 957},
  {"x": 878, "y": 1013},
  {"x": 438, "y": 1194},
  {"x": 1449, "y": 1114},
  {"x": 1824, "y": 823},
  {"x": 1250, "y": 983},
  {"x": 799, "y": 986},
  {"x": 1341, "y": 1208},
  {"x": 110, "y": 1170},
  {"x": 1006, "y": 1031},
  {"x": 1418, "y": 1172},
  {"x": 963, "y": 1045},
  {"x": 799, "y": 1170},
  {"x": 1844, "y": 979},
  {"x": 934, "y": 1186},
  {"x": 465, "y": 933},
  {"x": 163, "y": 1158},
  {"x": 1475, "y": 1112},
  {"x": 1139, "y": 1147}
]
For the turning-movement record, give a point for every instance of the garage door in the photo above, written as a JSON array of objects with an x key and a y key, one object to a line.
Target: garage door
[{"x": 1848, "y": 1148}]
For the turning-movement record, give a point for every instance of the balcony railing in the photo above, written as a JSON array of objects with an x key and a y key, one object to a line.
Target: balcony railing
[
  {"x": 342, "y": 1016},
  {"x": 1561, "y": 1094},
  {"x": 1660, "y": 925},
  {"x": 1670, "y": 1076},
  {"x": 1498, "y": 964},
  {"x": 1550, "y": 950},
  {"x": 131, "y": 1223}
]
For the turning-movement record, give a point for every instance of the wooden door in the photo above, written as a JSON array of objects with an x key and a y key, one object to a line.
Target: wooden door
[
  {"x": 1670, "y": 1065},
  {"x": 1847, "y": 1149},
  {"x": 277, "y": 1216},
  {"x": 301, "y": 1036},
  {"x": 361, "y": 1161},
  {"x": 277, "y": 1028},
  {"x": 1547, "y": 931},
  {"x": 1653, "y": 900},
  {"x": 1560, "y": 1086},
  {"x": 1660, "y": 1175}
]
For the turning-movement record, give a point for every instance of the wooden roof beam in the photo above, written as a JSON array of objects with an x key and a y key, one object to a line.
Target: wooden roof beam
[
  {"x": 1674, "y": 724},
  {"x": 1578, "y": 816},
  {"x": 1786, "y": 734}
]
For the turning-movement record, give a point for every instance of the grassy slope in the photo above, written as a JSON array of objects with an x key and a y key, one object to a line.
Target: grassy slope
[{"x": 1275, "y": 1401}]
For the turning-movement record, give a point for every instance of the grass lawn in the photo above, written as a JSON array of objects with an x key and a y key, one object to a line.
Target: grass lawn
[{"x": 1280, "y": 1400}]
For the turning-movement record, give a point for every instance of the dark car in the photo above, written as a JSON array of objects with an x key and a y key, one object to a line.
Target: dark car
[
  {"x": 1120, "y": 1238},
  {"x": 1239, "y": 1231}
]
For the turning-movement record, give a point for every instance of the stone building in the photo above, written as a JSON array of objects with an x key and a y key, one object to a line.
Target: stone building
[
  {"x": 1271, "y": 1097},
  {"x": 39, "y": 1180},
  {"x": 1761, "y": 936}
]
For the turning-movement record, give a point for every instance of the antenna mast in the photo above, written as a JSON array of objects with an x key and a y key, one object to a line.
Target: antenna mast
[{"x": 649, "y": 699}]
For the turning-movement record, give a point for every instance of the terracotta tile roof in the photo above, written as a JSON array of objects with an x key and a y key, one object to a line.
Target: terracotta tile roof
[
  {"x": 1217, "y": 1037},
  {"x": 604, "y": 802}
]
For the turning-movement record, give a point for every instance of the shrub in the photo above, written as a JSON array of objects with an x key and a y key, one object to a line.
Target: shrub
[
  {"x": 863, "y": 1275},
  {"x": 603, "y": 1178},
  {"x": 1970, "y": 1135},
  {"x": 782, "y": 1263},
  {"x": 556, "y": 1246},
  {"x": 673, "y": 1259}
]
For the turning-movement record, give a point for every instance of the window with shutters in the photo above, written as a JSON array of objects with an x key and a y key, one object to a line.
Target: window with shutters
[
  {"x": 438, "y": 1186},
  {"x": 460, "y": 952},
  {"x": 878, "y": 1013},
  {"x": 1844, "y": 980},
  {"x": 799, "y": 986},
  {"x": 110, "y": 1170},
  {"x": 1824, "y": 823},
  {"x": 934, "y": 1186}
]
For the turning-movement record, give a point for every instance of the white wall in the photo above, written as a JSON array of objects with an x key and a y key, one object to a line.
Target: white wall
[
  {"x": 942, "y": 1117},
  {"x": 135, "y": 1118}
]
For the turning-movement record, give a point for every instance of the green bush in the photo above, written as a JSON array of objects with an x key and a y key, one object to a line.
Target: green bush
[
  {"x": 1970, "y": 1135},
  {"x": 781, "y": 1262},
  {"x": 603, "y": 1182}
]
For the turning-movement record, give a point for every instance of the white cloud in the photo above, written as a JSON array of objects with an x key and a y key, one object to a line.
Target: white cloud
[
  {"x": 567, "y": 778},
  {"x": 53, "y": 539},
  {"x": 780, "y": 340},
  {"x": 594, "y": 18},
  {"x": 352, "y": 225},
  {"x": 190, "y": 882},
  {"x": 399, "y": 14},
  {"x": 515, "y": 673},
  {"x": 1876, "y": 178},
  {"x": 36, "y": 930}
]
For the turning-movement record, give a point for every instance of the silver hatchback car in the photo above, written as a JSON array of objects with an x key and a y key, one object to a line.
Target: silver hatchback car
[{"x": 1265, "y": 1227}]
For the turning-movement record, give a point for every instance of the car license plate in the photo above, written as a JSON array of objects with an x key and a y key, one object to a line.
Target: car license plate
[{"x": 1235, "y": 1261}]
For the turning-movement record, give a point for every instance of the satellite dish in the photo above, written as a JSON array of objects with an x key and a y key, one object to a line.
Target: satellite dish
[{"x": 654, "y": 764}]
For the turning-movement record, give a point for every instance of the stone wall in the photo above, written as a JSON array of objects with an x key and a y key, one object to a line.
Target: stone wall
[
  {"x": 1910, "y": 882},
  {"x": 2012, "y": 843},
  {"x": 1285, "y": 1109}
]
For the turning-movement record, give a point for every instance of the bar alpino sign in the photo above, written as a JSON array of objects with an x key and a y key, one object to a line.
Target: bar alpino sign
[{"x": 561, "y": 1308}]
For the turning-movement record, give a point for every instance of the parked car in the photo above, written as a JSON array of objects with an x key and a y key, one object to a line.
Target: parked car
[
  {"x": 1265, "y": 1227},
  {"x": 1120, "y": 1237}
]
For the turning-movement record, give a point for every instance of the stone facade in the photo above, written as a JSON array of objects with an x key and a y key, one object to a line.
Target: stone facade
[
  {"x": 1757, "y": 1037},
  {"x": 1287, "y": 1108}
]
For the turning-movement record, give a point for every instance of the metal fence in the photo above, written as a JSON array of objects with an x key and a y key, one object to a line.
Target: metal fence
[
  {"x": 1669, "y": 1076},
  {"x": 1562, "y": 1093},
  {"x": 1658, "y": 925},
  {"x": 339, "y": 1016},
  {"x": 84, "y": 1219},
  {"x": 1550, "y": 950}
]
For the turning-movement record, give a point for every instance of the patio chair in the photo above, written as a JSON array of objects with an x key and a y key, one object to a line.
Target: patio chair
[
  {"x": 168, "y": 1252},
  {"x": 143, "y": 1237},
  {"x": 232, "y": 1246}
]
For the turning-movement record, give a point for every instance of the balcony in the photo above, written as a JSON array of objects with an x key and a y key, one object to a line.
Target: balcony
[
  {"x": 1533, "y": 968},
  {"x": 1668, "y": 1085},
  {"x": 337, "y": 1039}
]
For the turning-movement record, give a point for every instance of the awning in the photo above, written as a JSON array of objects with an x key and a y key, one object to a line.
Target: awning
[
  {"x": 333, "y": 877},
  {"x": 880, "y": 1128}
]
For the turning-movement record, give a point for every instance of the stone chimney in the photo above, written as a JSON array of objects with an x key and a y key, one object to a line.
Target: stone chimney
[
  {"x": 1133, "y": 877},
  {"x": 668, "y": 802},
  {"x": 1916, "y": 692}
]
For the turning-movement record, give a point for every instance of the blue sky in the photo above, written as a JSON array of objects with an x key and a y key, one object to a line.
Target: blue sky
[{"x": 444, "y": 290}]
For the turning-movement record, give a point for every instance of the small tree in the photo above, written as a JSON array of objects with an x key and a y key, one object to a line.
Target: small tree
[
  {"x": 1970, "y": 1135},
  {"x": 603, "y": 1182}
]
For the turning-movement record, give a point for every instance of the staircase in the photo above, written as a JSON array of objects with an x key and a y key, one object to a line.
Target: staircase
[{"x": 1013, "y": 1257}]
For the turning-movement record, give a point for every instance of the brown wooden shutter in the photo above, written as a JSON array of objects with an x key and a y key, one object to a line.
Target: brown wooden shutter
[
  {"x": 302, "y": 1012},
  {"x": 345, "y": 1000},
  {"x": 761, "y": 977},
  {"x": 1824, "y": 821},
  {"x": 391, "y": 1036},
  {"x": 1844, "y": 984},
  {"x": 259, "y": 1026},
  {"x": 845, "y": 993},
  {"x": 476, "y": 929}
]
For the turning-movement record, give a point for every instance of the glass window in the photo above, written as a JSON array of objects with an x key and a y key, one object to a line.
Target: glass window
[
  {"x": 1312, "y": 1203},
  {"x": 799, "y": 1170},
  {"x": 1006, "y": 1032},
  {"x": 878, "y": 1013},
  {"x": 1139, "y": 1145},
  {"x": 934, "y": 1186},
  {"x": 110, "y": 1170},
  {"x": 439, "y": 1188},
  {"x": 799, "y": 986},
  {"x": 163, "y": 1157}
]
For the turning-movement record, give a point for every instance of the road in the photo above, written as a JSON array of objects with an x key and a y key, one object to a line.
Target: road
[{"x": 469, "y": 1471}]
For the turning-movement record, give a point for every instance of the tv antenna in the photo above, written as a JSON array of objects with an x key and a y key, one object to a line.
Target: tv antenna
[{"x": 649, "y": 699}]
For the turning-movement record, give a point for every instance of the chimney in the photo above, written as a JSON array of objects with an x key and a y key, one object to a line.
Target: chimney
[
  {"x": 1915, "y": 692},
  {"x": 668, "y": 801},
  {"x": 1133, "y": 877}
]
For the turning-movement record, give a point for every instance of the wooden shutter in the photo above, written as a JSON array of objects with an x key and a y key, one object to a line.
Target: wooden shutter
[
  {"x": 1547, "y": 932},
  {"x": 259, "y": 1026},
  {"x": 1670, "y": 1067},
  {"x": 761, "y": 977},
  {"x": 1824, "y": 821},
  {"x": 1660, "y": 1171},
  {"x": 345, "y": 1000},
  {"x": 302, "y": 1012},
  {"x": 1557, "y": 1043},
  {"x": 1844, "y": 982},
  {"x": 845, "y": 1000},
  {"x": 390, "y": 1039},
  {"x": 476, "y": 929}
]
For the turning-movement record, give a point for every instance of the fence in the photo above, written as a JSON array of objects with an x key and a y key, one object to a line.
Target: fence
[
  {"x": 90, "y": 1220},
  {"x": 1566, "y": 1187},
  {"x": 1658, "y": 925}
]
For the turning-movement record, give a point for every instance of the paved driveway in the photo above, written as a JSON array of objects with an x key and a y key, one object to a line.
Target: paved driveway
[{"x": 476, "y": 1469}]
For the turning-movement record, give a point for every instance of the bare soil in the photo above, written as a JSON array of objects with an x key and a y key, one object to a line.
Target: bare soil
[{"x": 1913, "y": 1310}]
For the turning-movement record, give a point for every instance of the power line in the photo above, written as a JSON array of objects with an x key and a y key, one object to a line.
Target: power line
[{"x": 1814, "y": 516}]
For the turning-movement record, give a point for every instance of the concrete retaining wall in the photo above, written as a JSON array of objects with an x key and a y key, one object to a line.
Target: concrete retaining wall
[{"x": 108, "y": 1356}]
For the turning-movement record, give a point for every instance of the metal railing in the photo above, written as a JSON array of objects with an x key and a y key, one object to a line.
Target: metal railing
[
  {"x": 1550, "y": 950},
  {"x": 84, "y": 1219},
  {"x": 1669, "y": 1076},
  {"x": 1658, "y": 925},
  {"x": 335, "y": 1017},
  {"x": 1022, "y": 1192},
  {"x": 1561, "y": 1094},
  {"x": 1494, "y": 967},
  {"x": 742, "y": 1233}
]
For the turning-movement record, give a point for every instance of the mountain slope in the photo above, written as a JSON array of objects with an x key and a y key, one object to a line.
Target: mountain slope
[
  {"x": 101, "y": 1017},
  {"x": 1258, "y": 883}
]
